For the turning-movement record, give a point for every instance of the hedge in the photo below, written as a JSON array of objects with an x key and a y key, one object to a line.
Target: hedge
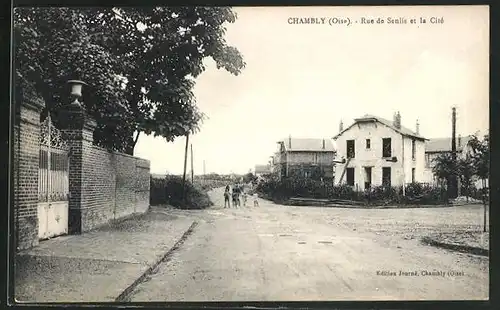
[
  {"x": 415, "y": 193},
  {"x": 168, "y": 191}
]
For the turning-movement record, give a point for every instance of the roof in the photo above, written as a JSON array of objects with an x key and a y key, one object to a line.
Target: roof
[
  {"x": 262, "y": 169},
  {"x": 367, "y": 117},
  {"x": 307, "y": 145},
  {"x": 437, "y": 145}
]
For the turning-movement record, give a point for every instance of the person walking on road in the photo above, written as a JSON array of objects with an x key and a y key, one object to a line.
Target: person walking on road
[
  {"x": 236, "y": 195},
  {"x": 227, "y": 194},
  {"x": 244, "y": 196}
]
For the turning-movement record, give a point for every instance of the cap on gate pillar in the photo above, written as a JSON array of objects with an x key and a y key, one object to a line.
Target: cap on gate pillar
[{"x": 73, "y": 116}]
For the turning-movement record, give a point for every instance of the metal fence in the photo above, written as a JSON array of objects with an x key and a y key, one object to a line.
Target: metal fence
[
  {"x": 53, "y": 182},
  {"x": 53, "y": 171}
]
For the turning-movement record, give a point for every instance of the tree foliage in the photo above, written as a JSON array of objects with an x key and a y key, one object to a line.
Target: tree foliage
[
  {"x": 444, "y": 167},
  {"x": 249, "y": 178},
  {"x": 474, "y": 163},
  {"x": 480, "y": 156},
  {"x": 140, "y": 64},
  {"x": 466, "y": 172}
]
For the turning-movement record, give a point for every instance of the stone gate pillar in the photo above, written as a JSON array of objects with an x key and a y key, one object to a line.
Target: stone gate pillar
[
  {"x": 77, "y": 129},
  {"x": 25, "y": 168}
]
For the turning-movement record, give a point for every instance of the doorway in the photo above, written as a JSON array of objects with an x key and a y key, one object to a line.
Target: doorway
[{"x": 368, "y": 177}]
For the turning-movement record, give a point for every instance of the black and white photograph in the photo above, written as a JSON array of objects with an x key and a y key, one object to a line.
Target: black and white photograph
[{"x": 250, "y": 153}]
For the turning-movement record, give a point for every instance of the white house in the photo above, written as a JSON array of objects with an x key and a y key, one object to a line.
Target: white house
[{"x": 375, "y": 151}]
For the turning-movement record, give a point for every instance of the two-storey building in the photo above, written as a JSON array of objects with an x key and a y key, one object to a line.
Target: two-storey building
[
  {"x": 375, "y": 151},
  {"x": 261, "y": 170},
  {"x": 305, "y": 157}
]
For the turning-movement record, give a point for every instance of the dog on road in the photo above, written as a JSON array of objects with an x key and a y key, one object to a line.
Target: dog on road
[{"x": 255, "y": 201}]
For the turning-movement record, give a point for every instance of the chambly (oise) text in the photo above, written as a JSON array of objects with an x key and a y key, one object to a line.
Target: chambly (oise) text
[{"x": 364, "y": 20}]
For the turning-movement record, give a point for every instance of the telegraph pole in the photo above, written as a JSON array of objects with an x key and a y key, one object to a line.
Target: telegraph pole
[
  {"x": 185, "y": 166},
  {"x": 192, "y": 171},
  {"x": 204, "y": 171},
  {"x": 454, "y": 183}
]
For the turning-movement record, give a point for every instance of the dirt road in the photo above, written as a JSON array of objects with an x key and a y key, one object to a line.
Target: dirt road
[{"x": 279, "y": 253}]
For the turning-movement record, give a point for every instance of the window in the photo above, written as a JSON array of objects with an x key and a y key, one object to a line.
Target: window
[
  {"x": 350, "y": 176},
  {"x": 427, "y": 161},
  {"x": 368, "y": 143},
  {"x": 413, "y": 175},
  {"x": 386, "y": 147},
  {"x": 386, "y": 176},
  {"x": 350, "y": 149},
  {"x": 413, "y": 149}
]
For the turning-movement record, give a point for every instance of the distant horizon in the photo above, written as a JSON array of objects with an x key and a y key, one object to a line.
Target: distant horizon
[{"x": 301, "y": 80}]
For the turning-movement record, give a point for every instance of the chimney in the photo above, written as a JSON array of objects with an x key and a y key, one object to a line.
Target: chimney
[
  {"x": 417, "y": 128},
  {"x": 341, "y": 126},
  {"x": 397, "y": 120},
  {"x": 459, "y": 141},
  {"x": 323, "y": 144},
  {"x": 290, "y": 141}
]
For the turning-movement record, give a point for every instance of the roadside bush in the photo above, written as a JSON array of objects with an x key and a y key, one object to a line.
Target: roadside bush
[
  {"x": 208, "y": 185},
  {"x": 415, "y": 193},
  {"x": 344, "y": 192},
  {"x": 169, "y": 191},
  {"x": 382, "y": 195}
]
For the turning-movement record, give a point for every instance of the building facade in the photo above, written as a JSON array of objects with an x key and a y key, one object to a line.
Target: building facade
[
  {"x": 374, "y": 151},
  {"x": 304, "y": 157},
  {"x": 261, "y": 170}
]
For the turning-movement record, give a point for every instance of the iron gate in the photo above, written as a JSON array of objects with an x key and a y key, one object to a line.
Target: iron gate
[{"x": 53, "y": 183}]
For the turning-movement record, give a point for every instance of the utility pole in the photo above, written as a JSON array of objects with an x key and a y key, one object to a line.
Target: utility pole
[
  {"x": 453, "y": 183},
  {"x": 204, "y": 171},
  {"x": 192, "y": 171},
  {"x": 185, "y": 166}
]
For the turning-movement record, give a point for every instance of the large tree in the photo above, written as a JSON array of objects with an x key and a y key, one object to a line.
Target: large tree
[{"x": 140, "y": 64}]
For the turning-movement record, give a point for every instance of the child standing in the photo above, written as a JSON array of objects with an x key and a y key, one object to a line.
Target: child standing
[
  {"x": 244, "y": 199},
  {"x": 227, "y": 194}
]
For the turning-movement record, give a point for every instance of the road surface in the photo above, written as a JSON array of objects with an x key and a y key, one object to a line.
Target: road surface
[{"x": 280, "y": 253}]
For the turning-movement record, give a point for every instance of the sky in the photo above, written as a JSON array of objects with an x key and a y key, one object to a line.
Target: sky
[{"x": 302, "y": 79}]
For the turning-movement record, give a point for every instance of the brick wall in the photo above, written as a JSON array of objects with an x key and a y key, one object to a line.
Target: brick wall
[
  {"x": 114, "y": 185},
  {"x": 103, "y": 185},
  {"x": 25, "y": 169}
]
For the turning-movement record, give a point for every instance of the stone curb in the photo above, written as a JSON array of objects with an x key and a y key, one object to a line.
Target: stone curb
[
  {"x": 125, "y": 295},
  {"x": 456, "y": 247}
]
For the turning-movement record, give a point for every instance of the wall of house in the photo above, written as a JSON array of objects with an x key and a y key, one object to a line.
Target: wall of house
[
  {"x": 371, "y": 157},
  {"x": 429, "y": 163},
  {"x": 310, "y": 163},
  {"x": 114, "y": 185},
  {"x": 320, "y": 158},
  {"x": 418, "y": 163}
]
